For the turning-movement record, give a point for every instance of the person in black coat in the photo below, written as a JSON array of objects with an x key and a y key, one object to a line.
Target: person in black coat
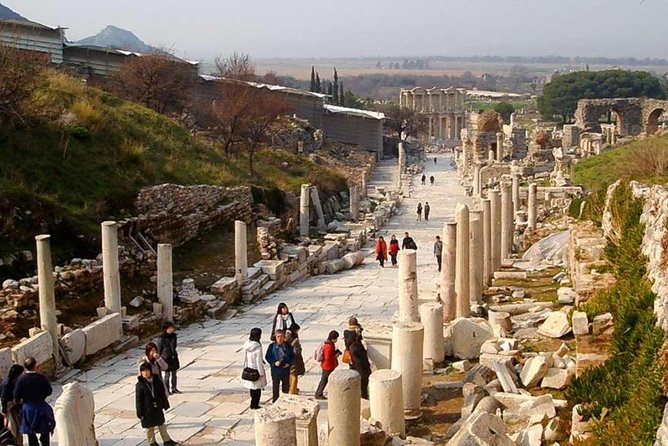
[
  {"x": 32, "y": 389},
  {"x": 167, "y": 348},
  {"x": 151, "y": 402},
  {"x": 10, "y": 409},
  {"x": 359, "y": 362}
]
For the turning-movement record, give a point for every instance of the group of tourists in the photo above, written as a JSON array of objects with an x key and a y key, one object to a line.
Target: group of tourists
[
  {"x": 284, "y": 355},
  {"x": 427, "y": 210},
  {"x": 381, "y": 250},
  {"x": 424, "y": 179}
]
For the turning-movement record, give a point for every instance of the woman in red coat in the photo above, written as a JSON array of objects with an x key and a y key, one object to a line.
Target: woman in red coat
[
  {"x": 381, "y": 251},
  {"x": 394, "y": 249}
]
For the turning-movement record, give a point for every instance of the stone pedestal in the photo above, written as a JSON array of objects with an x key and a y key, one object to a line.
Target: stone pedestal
[
  {"x": 407, "y": 342},
  {"x": 112, "y": 278},
  {"x": 315, "y": 198},
  {"x": 343, "y": 414},
  {"x": 408, "y": 290},
  {"x": 304, "y": 211},
  {"x": 516, "y": 194},
  {"x": 165, "y": 287},
  {"x": 306, "y": 411},
  {"x": 486, "y": 242},
  {"x": 240, "y": 251},
  {"x": 475, "y": 257},
  {"x": 354, "y": 203},
  {"x": 431, "y": 316},
  {"x": 274, "y": 426},
  {"x": 495, "y": 207},
  {"x": 448, "y": 295},
  {"x": 386, "y": 401},
  {"x": 532, "y": 206},
  {"x": 499, "y": 146},
  {"x": 47, "y": 298},
  {"x": 462, "y": 261},
  {"x": 507, "y": 221}
]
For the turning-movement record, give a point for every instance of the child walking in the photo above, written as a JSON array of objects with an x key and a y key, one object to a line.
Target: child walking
[
  {"x": 151, "y": 403},
  {"x": 167, "y": 345}
]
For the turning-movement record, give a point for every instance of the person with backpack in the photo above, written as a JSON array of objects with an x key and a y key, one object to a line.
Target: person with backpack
[
  {"x": 281, "y": 357},
  {"x": 394, "y": 249},
  {"x": 151, "y": 402},
  {"x": 381, "y": 251},
  {"x": 359, "y": 362},
  {"x": 327, "y": 354},
  {"x": 167, "y": 348},
  {"x": 298, "y": 368},
  {"x": 427, "y": 209},
  {"x": 283, "y": 319},
  {"x": 253, "y": 360},
  {"x": 408, "y": 242},
  {"x": 10, "y": 409},
  {"x": 419, "y": 212}
]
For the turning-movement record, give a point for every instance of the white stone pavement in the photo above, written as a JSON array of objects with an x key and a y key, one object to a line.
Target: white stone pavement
[{"x": 213, "y": 408}]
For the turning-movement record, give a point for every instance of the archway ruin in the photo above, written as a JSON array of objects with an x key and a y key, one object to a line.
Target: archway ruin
[{"x": 634, "y": 115}]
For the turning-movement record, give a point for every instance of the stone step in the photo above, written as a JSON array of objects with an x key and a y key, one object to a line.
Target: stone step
[
  {"x": 253, "y": 273},
  {"x": 264, "y": 278}
]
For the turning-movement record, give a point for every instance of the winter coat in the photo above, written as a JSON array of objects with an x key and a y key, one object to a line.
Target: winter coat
[
  {"x": 381, "y": 250},
  {"x": 438, "y": 248},
  {"x": 281, "y": 353},
  {"x": 330, "y": 361},
  {"x": 151, "y": 401},
  {"x": 253, "y": 360},
  {"x": 419, "y": 208},
  {"x": 359, "y": 359},
  {"x": 348, "y": 337},
  {"x": 167, "y": 348},
  {"x": 298, "y": 367},
  {"x": 158, "y": 366},
  {"x": 282, "y": 322},
  {"x": 394, "y": 247}
]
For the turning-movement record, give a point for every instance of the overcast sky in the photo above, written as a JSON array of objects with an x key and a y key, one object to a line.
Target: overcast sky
[{"x": 201, "y": 29}]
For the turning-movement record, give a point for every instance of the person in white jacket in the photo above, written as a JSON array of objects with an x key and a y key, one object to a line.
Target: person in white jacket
[{"x": 253, "y": 359}]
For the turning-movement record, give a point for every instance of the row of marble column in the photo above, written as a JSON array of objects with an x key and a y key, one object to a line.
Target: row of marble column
[{"x": 309, "y": 194}]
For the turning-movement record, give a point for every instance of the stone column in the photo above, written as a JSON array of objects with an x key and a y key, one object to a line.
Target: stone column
[
  {"x": 407, "y": 342},
  {"x": 532, "y": 206},
  {"x": 343, "y": 414},
  {"x": 516, "y": 194},
  {"x": 495, "y": 205},
  {"x": 386, "y": 401},
  {"x": 499, "y": 146},
  {"x": 315, "y": 197},
  {"x": 477, "y": 181},
  {"x": 448, "y": 295},
  {"x": 274, "y": 426},
  {"x": 354, "y": 202},
  {"x": 408, "y": 289},
  {"x": 431, "y": 316},
  {"x": 486, "y": 242},
  {"x": 475, "y": 257},
  {"x": 363, "y": 191},
  {"x": 240, "y": 251},
  {"x": 112, "y": 277},
  {"x": 165, "y": 287},
  {"x": 304, "y": 211},
  {"x": 507, "y": 221},
  {"x": 47, "y": 298},
  {"x": 490, "y": 156},
  {"x": 462, "y": 261}
]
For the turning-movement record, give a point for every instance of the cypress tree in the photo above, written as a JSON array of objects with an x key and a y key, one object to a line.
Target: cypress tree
[
  {"x": 342, "y": 97},
  {"x": 330, "y": 91},
  {"x": 335, "y": 88},
  {"x": 313, "y": 78},
  {"x": 318, "y": 84}
]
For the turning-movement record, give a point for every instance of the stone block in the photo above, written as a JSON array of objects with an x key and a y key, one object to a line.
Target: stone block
[
  {"x": 6, "y": 360},
  {"x": 534, "y": 370},
  {"x": 102, "y": 333},
  {"x": 531, "y": 436},
  {"x": 566, "y": 296},
  {"x": 253, "y": 273},
  {"x": 74, "y": 344},
  {"x": 217, "y": 310},
  {"x": 461, "y": 366},
  {"x": 130, "y": 323},
  {"x": 472, "y": 397},
  {"x": 306, "y": 412},
  {"x": 224, "y": 285},
  {"x": 555, "y": 326},
  {"x": 39, "y": 347},
  {"x": 601, "y": 323},
  {"x": 505, "y": 377},
  {"x": 580, "y": 323},
  {"x": 481, "y": 429},
  {"x": 480, "y": 375},
  {"x": 466, "y": 337},
  {"x": 557, "y": 379}
]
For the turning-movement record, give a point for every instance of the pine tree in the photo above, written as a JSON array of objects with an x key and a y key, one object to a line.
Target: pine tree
[
  {"x": 312, "y": 78},
  {"x": 342, "y": 98},
  {"x": 318, "y": 84},
  {"x": 335, "y": 88}
]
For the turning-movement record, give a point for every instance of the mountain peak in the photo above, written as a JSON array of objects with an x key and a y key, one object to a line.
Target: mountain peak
[{"x": 119, "y": 38}]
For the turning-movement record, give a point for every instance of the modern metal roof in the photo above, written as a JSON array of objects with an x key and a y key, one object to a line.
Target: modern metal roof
[{"x": 355, "y": 111}]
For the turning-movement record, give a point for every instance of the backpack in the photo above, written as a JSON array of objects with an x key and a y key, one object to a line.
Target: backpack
[{"x": 319, "y": 354}]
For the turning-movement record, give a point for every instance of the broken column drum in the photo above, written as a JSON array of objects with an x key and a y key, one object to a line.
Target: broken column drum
[
  {"x": 507, "y": 223},
  {"x": 495, "y": 207},
  {"x": 431, "y": 317},
  {"x": 112, "y": 278},
  {"x": 386, "y": 401},
  {"x": 408, "y": 288},
  {"x": 240, "y": 251},
  {"x": 354, "y": 203},
  {"x": 487, "y": 242},
  {"x": 165, "y": 287},
  {"x": 343, "y": 412},
  {"x": 407, "y": 341},
  {"x": 47, "y": 298},
  {"x": 475, "y": 257},
  {"x": 532, "y": 206},
  {"x": 462, "y": 261},
  {"x": 275, "y": 426},
  {"x": 448, "y": 295},
  {"x": 304, "y": 211}
]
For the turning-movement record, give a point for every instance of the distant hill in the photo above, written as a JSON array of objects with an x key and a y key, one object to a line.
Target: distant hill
[
  {"x": 118, "y": 38},
  {"x": 6, "y": 13}
]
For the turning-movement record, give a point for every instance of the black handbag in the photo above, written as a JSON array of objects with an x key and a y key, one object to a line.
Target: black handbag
[{"x": 249, "y": 374}]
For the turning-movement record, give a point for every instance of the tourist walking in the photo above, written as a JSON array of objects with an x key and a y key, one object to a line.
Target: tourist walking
[
  {"x": 298, "y": 367},
  {"x": 431, "y": 180},
  {"x": 424, "y": 179},
  {"x": 419, "y": 212},
  {"x": 283, "y": 319},
  {"x": 167, "y": 346},
  {"x": 426, "y": 211},
  {"x": 327, "y": 354},
  {"x": 151, "y": 402},
  {"x": 394, "y": 249},
  {"x": 408, "y": 242},
  {"x": 158, "y": 364},
  {"x": 438, "y": 251},
  {"x": 354, "y": 331},
  {"x": 435, "y": 160},
  {"x": 254, "y": 375},
  {"x": 281, "y": 357},
  {"x": 31, "y": 390},
  {"x": 359, "y": 362},
  {"x": 381, "y": 251},
  {"x": 11, "y": 410}
]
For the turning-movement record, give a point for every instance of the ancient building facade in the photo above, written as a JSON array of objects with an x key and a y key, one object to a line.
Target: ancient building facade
[
  {"x": 632, "y": 115},
  {"x": 443, "y": 107}
]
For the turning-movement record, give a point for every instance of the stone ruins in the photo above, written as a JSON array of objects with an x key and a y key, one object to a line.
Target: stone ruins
[{"x": 443, "y": 108}]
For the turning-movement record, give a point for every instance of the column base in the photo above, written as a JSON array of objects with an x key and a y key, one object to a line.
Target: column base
[{"x": 413, "y": 415}]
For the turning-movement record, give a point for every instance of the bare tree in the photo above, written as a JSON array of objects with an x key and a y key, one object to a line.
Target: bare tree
[
  {"x": 19, "y": 72},
  {"x": 403, "y": 121},
  {"x": 159, "y": 81},
  {"x": 238, "y": 66},
  {"x": 265, "y": 109}
]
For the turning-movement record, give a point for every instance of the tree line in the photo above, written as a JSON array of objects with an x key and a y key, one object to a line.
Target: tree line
[{"x": 333, "y": 89}]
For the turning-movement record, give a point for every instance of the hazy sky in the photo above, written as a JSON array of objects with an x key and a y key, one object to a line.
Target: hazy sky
[{"x": 201, "y": 29}]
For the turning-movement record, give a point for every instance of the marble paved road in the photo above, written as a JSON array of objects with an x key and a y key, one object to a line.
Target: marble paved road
[{"x": 213, "y": 408}]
